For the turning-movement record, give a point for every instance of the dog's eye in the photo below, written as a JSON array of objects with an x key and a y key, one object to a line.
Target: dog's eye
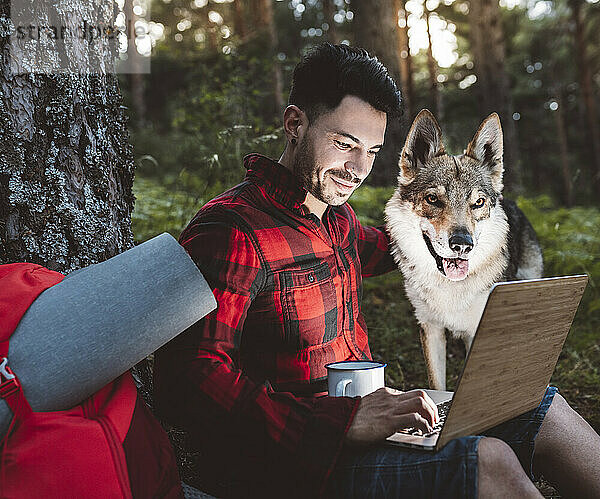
[
  {"x": 479, "y": 203},
  {"x": 432, "y": 199}
]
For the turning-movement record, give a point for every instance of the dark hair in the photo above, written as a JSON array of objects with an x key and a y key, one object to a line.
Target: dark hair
[{"x": 328, "y": 73}]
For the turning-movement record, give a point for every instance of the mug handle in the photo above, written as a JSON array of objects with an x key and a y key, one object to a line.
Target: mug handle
[{"x": 340, "y": 388}]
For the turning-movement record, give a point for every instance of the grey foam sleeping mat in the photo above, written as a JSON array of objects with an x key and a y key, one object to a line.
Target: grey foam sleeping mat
[{"x": 101, "y": 320}]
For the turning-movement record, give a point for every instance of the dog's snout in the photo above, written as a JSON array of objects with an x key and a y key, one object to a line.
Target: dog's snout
[{"x": 461, "y": 242}]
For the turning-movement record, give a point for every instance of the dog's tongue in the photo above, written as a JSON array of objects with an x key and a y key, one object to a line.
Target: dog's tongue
[{"x": 456, "y": 269}]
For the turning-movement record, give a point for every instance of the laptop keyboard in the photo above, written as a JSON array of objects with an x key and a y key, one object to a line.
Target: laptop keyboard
[{"x": 442, "y": 411}]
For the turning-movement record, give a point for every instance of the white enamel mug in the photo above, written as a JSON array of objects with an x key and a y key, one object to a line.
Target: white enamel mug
[{"x": 354, "y": 378}]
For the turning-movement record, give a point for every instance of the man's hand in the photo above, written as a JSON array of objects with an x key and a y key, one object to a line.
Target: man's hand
[{"x": 385, "y": 411}]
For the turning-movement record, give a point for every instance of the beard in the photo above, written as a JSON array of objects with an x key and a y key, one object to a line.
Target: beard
[{"x": 306, "y": 167}]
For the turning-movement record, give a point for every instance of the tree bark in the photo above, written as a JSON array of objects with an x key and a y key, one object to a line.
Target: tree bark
[
  {"x": 268, "y": 42},
  {"x": 487, "y": 39},
  {"x": 585, "y": 79},
  {"x": 66, "y": 168},
  {"x": 375, "y": 24},
  {"x": 211, "y": 32},
  {"x": 269, "y": 21}
]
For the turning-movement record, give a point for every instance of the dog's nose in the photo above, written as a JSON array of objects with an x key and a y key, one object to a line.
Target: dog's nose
[{"x": 461, "y": 242}]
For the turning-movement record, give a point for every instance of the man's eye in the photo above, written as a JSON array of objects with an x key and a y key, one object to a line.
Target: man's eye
[
  {"x": 372, "y": 153},
  {"x": 342, "y": 145}
]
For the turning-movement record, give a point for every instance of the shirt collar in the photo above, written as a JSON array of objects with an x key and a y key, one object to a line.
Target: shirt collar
[{"x": 279, "y": 182}]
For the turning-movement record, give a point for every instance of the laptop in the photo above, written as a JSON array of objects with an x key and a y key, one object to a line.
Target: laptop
[{"x": 513, "y": 355}]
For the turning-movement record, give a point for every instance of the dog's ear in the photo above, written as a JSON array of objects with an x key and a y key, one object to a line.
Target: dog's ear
[
  {"x": 487, "y": 147},
  {"x": 423, "y": 142}
]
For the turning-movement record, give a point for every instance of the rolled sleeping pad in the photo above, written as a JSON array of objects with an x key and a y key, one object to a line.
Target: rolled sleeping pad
[{"x": 85, "y": 331}]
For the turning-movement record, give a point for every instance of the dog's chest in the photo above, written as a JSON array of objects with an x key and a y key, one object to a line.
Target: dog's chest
[{"x": 456, "y": 308}]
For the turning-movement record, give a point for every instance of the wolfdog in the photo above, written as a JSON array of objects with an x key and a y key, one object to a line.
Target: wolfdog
[{"x": 453, "y": 235}]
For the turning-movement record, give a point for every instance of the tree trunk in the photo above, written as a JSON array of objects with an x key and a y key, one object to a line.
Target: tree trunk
[
  {"x": 487, "y": 39},
  {"x": 405, "y": 60},
  {"x": 561, "y": 131},
  {"x": 434, "y": 94},
  {"x": 269, "y": 24},
  {"x": 375, "y": 24},
  {"x": 585, "y": 80},
  {"x": 239, "y": 19},
  {"x": 66, "y": 168},
  {"x": 267, "y": 43}
]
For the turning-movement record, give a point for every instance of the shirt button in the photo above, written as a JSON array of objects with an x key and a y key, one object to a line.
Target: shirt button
[{"x": 311, "y": 278}]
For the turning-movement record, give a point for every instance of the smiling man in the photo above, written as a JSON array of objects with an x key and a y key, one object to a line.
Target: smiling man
[
  {"x": 330, "y": 161},
  {"x": 285, "y": 256}
]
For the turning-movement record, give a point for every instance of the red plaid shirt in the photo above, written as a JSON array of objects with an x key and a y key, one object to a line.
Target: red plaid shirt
[{"x": 245, "y": 380}]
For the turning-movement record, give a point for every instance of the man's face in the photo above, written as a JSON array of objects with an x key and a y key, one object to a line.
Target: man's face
[{"x": 338, "y": 149}]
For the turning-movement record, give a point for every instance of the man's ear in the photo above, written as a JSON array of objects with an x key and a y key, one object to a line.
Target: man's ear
[
  {"x": 295, "y": 123},
  {"x": 487, "y": 147},
  {"x": 423, "y": 142}
]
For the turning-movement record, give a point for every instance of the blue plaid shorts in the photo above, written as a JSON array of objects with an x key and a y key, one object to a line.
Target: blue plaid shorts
[{"x": 391, "y": 472}]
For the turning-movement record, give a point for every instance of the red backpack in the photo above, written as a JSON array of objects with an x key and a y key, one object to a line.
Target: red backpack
[{"x": 108, "y": 446}]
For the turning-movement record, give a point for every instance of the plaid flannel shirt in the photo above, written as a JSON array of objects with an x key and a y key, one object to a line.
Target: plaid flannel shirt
[{"x": 246, "y": 380}]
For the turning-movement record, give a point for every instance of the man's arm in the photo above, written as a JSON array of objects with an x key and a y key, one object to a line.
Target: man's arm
[
  {"x": 373, "y": 249},
  {"x": 198, "y": 381}
]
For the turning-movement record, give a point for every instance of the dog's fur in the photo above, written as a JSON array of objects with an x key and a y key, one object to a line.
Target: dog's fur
[{"x": 453, "y": 235}]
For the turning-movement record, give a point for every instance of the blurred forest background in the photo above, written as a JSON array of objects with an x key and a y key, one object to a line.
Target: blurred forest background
[{"x": 219, "y": 80}]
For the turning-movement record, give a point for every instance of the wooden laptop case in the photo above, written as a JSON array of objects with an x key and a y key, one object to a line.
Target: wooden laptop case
[{"x": 528, "y": 321}]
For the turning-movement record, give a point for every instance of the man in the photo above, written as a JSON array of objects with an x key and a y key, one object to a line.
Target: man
[{"x": 285, "y": 256}]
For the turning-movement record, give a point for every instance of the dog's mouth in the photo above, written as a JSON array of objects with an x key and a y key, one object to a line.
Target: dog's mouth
[{"x": 455, "y": 269}]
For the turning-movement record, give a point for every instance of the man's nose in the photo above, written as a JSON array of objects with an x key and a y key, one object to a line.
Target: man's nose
[{"x": 358, "y": 166}]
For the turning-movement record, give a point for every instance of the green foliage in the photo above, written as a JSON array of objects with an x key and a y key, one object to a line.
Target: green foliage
[
  {"x": 160, "y": 209},
  {"x": 218, "y": 109},
  {"x": 368, "y": 203},
  {"x": 570, "y": 239},
  {"x": 179, "y": 173},
  {"x": 216, "y": 162}
]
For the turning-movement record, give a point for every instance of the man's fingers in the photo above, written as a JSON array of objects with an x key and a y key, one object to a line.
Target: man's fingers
[
  {"x": 414, "y": 420},
  {"x": 387, "y": 410},
  {"x": 419, "y": 402},
  {"x": 431, "y": 406}
]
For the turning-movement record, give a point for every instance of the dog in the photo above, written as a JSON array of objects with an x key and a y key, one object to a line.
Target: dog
[{"x": 453, "y": 235}]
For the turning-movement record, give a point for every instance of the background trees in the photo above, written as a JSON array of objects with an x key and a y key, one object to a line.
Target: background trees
[{"x": 221, "y": 64}]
